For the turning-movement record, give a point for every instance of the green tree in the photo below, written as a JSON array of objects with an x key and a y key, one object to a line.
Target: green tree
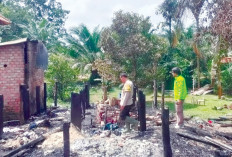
[
  {"x": 41, "y": 30},
  {"x": 17, "y": 15},
  {"x": 220, "y": 26},
  {"x": 60, "y": 70},
  {"x": 172, "y": 11},
  {"x": 43, "y": 20},
  {"x": 129, "y": 43},
  {"x": 84, "y": 46},
  {"x": 50, "y": 10}
]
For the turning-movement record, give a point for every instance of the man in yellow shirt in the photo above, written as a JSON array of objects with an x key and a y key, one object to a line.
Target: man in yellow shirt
[
  {"x": 126, "y": 103},
  {"x": 180, "y": 93}
]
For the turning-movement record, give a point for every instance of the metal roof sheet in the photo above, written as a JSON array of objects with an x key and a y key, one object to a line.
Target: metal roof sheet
[{"x": 23, "y": 40}]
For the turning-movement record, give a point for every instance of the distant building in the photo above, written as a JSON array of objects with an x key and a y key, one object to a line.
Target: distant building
[{"x": 22, "y": 63}]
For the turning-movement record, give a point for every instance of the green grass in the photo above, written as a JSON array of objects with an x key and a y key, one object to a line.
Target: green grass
[
  {"x": 190, "y": 109},
  {"x": 96, "y": 93},
  {"x": 50, "y": 103},
  {"x": 202, "y": 111}
]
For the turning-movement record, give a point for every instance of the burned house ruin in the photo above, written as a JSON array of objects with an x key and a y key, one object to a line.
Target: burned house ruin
[{"x": 22, "y": 65}]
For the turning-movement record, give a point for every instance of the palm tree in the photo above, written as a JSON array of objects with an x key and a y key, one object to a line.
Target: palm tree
[
  {"x": 196, "y": 6},
  {"x": 86, "y": 47}
]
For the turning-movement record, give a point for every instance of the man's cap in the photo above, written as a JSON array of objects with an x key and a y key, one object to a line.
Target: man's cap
[{"x": 123, "y": 75}]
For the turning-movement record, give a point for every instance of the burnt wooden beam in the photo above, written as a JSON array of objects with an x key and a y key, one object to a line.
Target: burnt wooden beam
[
  {"x": 87, "y": 96},
  {"x": 166, "y": 133},
  {"x": 30, "y": 144},
  {"x": 38, "y": 102},
  {"x": 45, "y": 97},
  {"x": 76, "y": 110},
  {"x": 165, "y": 127},
  {"x": 66, "y": 127},
  {"x": 55, "y": 93},
  {"x": 195, "y": 138},
  {"x": 1, "y": 115},
  {"x": 11, "y": 123},
  {"x": 162, "y": 100},
  {"x": 142, "y": 112},
  {"x": 134, "y": 95},
  {"x": 155, "y": 102},
  {"x": 206, "y": 140},
  {"x": 24, "y": 92},
  {"x": 83, "y": 102}
]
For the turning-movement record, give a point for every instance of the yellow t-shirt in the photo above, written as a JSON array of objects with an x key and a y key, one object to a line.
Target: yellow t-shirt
[{"x": 127, "y": 94}]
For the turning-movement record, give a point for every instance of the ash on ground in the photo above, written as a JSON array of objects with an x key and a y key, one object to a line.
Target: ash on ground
[{"x": 94, "y": 141}]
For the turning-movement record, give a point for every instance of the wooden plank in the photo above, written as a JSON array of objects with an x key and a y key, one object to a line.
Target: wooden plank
[
  {"x": 30, "y": 144},
  {"x": 195, "y": 138},
  {"x": 226, "y": 125},
  {"x": 220, "y": 144}
]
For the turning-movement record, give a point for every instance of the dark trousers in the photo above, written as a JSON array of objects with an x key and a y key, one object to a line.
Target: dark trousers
[{"x": 125, "y": 112}]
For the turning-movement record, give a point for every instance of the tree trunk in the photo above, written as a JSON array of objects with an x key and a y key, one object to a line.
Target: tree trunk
[
  {"x": 104, "y": 89},
  {"x": 219, "y": 80},
  {"x": 170, "y": 31},
  {"x": 198, "y": 55},
  {"x": 198, "y": 72}
]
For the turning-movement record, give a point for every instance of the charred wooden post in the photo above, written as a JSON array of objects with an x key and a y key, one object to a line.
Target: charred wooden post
[
  {"x": 45, "y": 97},
  {"x": 142, "y": 112},
  {"x": 87, "y": 96},
  {"x": 134, "y": 94},
  {"x": 166, "y": 133},
  {"x": 162, "y": 101},
  {"x": 38, "y": 102},
  {"x": 24, "y": 92},
  {"x": 155, "y": 103},
  {"x": 165, "y": 127},
  {"x": 83, "y": 103},
  {"x": 76, "y": 111},
  {"x": 55, "y": 93},
  {"x": 1, "y": 116},
  {"x": 66, "y": 127}
]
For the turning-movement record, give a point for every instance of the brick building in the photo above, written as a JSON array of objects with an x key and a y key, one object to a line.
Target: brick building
[{"x": 22, "y": 65}]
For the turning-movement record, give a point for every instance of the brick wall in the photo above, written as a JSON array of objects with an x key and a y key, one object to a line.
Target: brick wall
[
  {"x": 15, "y": 72},
  {"x": 12, "y": 75}
]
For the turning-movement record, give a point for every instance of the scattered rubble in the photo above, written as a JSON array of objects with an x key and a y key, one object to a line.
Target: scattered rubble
[{"x": 102, "y": 140}]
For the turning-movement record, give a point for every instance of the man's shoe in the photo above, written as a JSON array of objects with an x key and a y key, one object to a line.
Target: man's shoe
[
  {"x": 134, "y": 123},
  {"x": 127, "y": 127}
]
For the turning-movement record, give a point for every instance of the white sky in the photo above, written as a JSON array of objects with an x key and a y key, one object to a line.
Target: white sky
[{"x": 94, "y": 13}]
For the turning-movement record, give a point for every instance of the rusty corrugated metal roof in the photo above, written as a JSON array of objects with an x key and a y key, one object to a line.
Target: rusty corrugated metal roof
[
  {"x": 23, "y": 40},
  {"x": 4, "y": 21}
]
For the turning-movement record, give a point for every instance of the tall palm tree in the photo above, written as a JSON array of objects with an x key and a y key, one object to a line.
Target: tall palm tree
[
  {"x": 195, "y": 7},
  {"x": 85, "y": 46}
]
